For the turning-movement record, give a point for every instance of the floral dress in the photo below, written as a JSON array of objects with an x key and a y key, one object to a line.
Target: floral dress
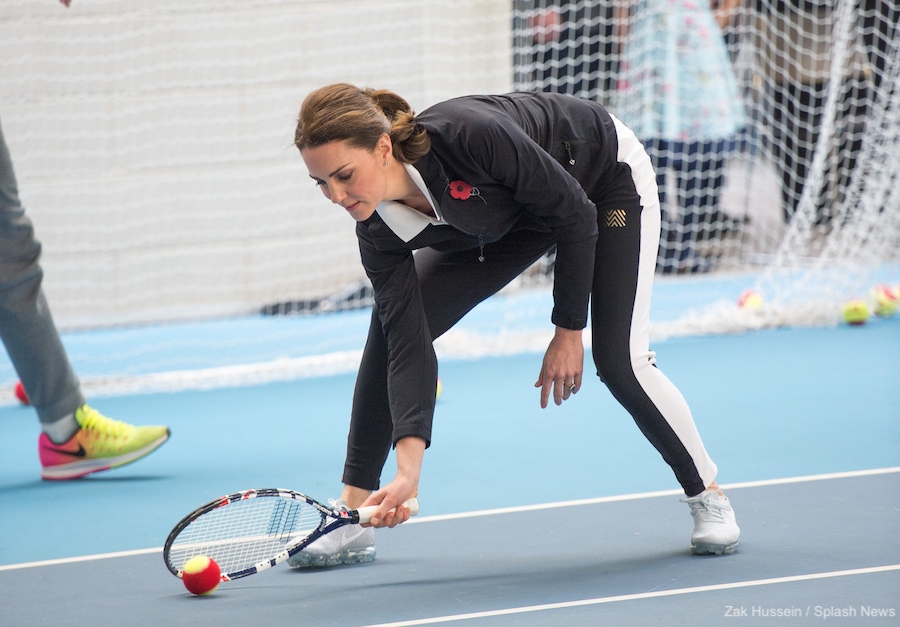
[{"x": 676, "y": 81}]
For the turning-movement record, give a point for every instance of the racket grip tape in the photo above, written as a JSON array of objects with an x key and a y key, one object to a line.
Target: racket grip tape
[{"x": 365, "y": 513}]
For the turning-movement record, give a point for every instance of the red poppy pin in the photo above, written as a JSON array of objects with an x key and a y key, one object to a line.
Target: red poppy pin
[{"x": 460, "y": 190}]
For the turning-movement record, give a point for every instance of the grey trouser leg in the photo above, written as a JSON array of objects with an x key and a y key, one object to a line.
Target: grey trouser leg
[{"x": 26, "y": 326}]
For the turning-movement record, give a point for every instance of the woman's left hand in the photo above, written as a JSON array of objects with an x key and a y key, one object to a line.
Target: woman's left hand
[{"x": 562, "y": 367}]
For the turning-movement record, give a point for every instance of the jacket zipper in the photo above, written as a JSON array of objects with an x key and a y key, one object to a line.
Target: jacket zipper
[
  {"x": 481, "y": 245},
  {"x": 569, "y": 152}
]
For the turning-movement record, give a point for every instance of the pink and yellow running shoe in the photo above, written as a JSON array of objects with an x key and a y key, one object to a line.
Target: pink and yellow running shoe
[{"x": 100, "y": 444}]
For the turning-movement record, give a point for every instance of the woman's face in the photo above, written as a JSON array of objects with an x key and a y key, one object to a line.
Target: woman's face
[{"x": 354, "y": 178}]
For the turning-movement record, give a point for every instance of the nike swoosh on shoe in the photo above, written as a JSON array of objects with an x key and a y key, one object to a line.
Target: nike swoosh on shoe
[
  {"x": 79, "y": 453},
  {"x": 347, "y": 539}
]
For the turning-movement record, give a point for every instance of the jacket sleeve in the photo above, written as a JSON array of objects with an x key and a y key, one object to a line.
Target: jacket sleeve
[
  {"x": 545, "y": 189},
  {"x": 411, "y": 360}
]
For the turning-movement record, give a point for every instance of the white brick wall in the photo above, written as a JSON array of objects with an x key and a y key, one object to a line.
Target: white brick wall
[{"x": 152, "y": 140}]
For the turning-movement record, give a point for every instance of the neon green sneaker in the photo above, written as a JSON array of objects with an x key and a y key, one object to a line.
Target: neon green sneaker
[{"x": 100, "y": 444}]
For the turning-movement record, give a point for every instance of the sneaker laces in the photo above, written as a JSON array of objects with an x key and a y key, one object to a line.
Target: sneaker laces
[
  {"x": 708, "y": 511},
  {"x": 92, "y": 420},
  {"x": 338, "y": 505}
]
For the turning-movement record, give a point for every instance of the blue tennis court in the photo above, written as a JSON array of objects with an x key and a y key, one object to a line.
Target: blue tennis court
[{"x": 530, "y": 516}]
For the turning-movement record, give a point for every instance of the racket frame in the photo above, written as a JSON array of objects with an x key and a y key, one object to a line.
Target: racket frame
[{"x": 331, "y": 519}]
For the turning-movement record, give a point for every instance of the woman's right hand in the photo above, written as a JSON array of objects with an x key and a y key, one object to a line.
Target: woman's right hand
[{"x": 390, "y": 498}]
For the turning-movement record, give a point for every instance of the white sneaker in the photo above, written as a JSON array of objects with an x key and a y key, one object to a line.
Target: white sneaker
[
  {"x": 350, "y": 544},
  {"x": 715, "y": 529}
]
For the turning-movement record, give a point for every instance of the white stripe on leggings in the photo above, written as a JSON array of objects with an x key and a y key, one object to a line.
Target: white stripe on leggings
[{"x": 661, "y": 391}]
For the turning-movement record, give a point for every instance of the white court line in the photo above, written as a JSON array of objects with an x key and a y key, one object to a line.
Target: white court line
[
  {"x": 83, "y": 558},
  {"x": 640, "y": 596},
  {"x": 510, "y": 510},
  {"x": 648, "y": 495}
]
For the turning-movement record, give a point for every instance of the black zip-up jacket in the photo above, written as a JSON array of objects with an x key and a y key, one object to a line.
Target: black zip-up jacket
[{"x": 535, "y": 161}]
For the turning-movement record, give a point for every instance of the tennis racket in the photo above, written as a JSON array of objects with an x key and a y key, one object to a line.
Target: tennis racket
[{"x": 253, "y": 530}]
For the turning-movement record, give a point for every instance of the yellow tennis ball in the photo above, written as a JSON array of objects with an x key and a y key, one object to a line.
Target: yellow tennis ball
[
  {"x": 201, "y": 575},
  {"x": 855, "y": 312},
  {"x": 440, "y": 389}
]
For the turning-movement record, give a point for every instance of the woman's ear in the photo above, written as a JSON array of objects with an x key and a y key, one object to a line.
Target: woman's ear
[{"x": 385, "y": 147}]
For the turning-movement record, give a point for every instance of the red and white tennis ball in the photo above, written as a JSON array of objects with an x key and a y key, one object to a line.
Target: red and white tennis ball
[
  {"x": 20, "y": 394},
  {"x": 855, "y": 312},
  {"x": 884, "y": 301},
  {"x": 750, "y": 299},
  {"x": 201, "y": 575}
]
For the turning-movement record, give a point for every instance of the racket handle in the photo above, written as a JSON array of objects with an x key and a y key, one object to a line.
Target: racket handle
[{"x": 365, "y": 513}]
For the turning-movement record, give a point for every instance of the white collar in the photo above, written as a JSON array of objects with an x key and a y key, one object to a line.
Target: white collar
[{"x": 405, "y": 221}]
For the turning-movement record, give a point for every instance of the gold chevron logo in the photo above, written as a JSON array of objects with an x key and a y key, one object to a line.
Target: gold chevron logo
[{"x": 615, "y": 218}]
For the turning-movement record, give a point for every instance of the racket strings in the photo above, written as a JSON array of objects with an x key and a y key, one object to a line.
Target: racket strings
[
  {"x": 284, "y": 520},
  {"x": 244, "y": 533}
]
